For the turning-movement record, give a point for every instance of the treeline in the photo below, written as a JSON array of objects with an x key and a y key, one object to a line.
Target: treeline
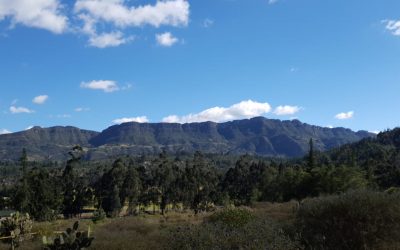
[{"x": 196, "y": 182}]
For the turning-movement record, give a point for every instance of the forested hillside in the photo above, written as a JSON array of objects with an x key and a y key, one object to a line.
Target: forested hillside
[{"x": 257, "y": 136}]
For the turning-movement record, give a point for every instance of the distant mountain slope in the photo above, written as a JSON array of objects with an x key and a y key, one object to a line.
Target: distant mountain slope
[
  {"x": 259, "y": 135},
  {"x": 43, "y": 143},
  {"x": 255, "y": 136}
]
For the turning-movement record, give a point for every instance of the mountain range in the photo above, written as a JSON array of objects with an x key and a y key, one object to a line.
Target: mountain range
[{"x": 260, "y": 136}]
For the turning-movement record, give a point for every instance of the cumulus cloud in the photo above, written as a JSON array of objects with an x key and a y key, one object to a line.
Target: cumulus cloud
[
  {"x": 117, "y": 12},
  {"x": 41, "y": 99},
  {"x": 119, "y": 15},
  {"x": 393, "y": 26},
  {"x": 112, "y": 39},
  {"x": 43, "y": 14},
  {"x": 107, "y": 86},
  {"x": 345, "y": 115},
  {"x": 244, "y": 109},
  {"x": 18, "y": 110},
  {"x": 286, "y": 110},
  {"x": 4, "y": 131},
  {"x": 140, "y": 119},
  {"x": 166, "y": 39}
]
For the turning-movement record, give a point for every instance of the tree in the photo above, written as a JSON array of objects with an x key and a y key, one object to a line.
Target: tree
[
  {"x": 72, "y": 203},
  {"x": 131, "y": 187},
  {"x": 45, "y": 200},
  {"x": 21, "y": 198},
  {"x": 311, "y": 156}
]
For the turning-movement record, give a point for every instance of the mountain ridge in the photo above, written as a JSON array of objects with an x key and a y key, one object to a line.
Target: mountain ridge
[{"x": 259, "y": 135}]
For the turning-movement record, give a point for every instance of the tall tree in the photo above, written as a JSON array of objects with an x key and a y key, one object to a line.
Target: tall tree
[
  {"x": 21, "y": 198},
  {"x": 311, "y": 156},
  {"x": 72, "y": 203}
]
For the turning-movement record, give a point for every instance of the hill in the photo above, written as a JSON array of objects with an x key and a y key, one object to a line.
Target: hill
[{"x": 260, "y": 136}]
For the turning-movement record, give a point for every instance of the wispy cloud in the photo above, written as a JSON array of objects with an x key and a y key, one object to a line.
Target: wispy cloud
[
  {"x": 244, "y": 109},
  {"x": 41, "y": 99},
  {"x": 18, "y": 110},
  {"x": 112, "y": 39},
  {"x": 286, "y": 110},
  {"x": 207, "y": 23},
  {"x": 107, "y": 86},
  {"x": 80, "y": 109},
  {"x": 393, "y": 26},
  {"x": 272, "y": 1},
  {"x": 140, "y": 119},
  {"x": 166, "y": 39},
  {"x": 345, "y": 115}
]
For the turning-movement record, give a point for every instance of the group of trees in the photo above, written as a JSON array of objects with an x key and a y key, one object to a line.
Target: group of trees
[{"x": 195, "y": 182}]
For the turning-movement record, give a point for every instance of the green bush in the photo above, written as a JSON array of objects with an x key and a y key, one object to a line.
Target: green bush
[
  {"x": 354, "y": 220},
  {"x": 232, "y": 217},
  {"x": 231, "y": 229}
]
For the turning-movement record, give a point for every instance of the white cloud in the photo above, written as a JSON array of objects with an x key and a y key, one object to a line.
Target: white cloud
[
  {"x": 80, "y": 109},
  {"x": 244, "y": 109},
  {"x": 43, "y": 14},
  {"x": 63, "y": 116},
  {"x": 29, "y": 127},
  {"x": 104, "y": 85},
  {"x": 272, "y": 1},
  {"x": 393, "y": 26},
  {"x": 170, "y": 12},
  {"x": 286, "y": 110},
  {"x": 208, "y": 23},
  {"x": 140, "y": 119},
  {"x": 345, "y": 115},
  {"x": 166, "y": 39},
  {"x": 112, "y": 39},
  {"x": 375, "y": 132},
  {"x": 118, "y": 15},
  {"x": 41, "y": 99},
  {"x": 4, "y": 131},
  {"x": 18, "y": 110}
]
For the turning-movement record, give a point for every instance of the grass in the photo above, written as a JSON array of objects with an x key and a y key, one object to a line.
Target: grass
[{"x": 145, "y": 231}]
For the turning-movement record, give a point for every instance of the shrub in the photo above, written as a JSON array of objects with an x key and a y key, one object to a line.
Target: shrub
[
  {"x": 231, "y": 229},
  {"x": 232, "y": 217},
  {"x": 17, "y": 226},
  {"x": 99, "y": 215},
  {"x": 354, "y": 220},
  {"x": 71, "y": 239}
]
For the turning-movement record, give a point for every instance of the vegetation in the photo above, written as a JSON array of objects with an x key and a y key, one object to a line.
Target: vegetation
[
  {"x": 354, "y": 220},
  {"x": 347, "y": 193},
  {"x": 71, "y": 239}
]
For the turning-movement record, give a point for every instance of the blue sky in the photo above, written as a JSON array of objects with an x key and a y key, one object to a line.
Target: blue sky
[{"x": 94, "y": 63}]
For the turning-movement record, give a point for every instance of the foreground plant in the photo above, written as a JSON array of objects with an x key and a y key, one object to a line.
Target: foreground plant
[
  {"x": 17, "y": 228},
  {"x": 71, "y": 239}
]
